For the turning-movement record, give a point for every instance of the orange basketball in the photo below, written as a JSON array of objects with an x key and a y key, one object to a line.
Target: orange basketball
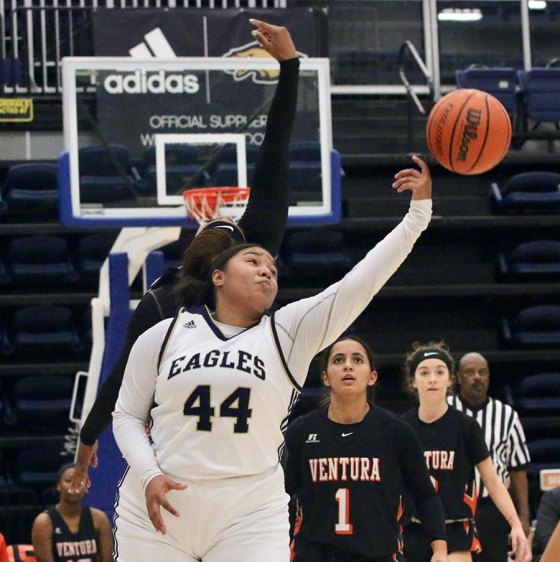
[{"x": 468, "y": 131}]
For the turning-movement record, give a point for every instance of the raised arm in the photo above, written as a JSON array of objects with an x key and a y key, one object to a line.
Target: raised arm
[
  {"x": 264, "y": 220},
  {"x": 307, "y": 326}
]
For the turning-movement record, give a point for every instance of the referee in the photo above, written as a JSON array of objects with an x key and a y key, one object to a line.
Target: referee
[{"x": 505, "y": 439}]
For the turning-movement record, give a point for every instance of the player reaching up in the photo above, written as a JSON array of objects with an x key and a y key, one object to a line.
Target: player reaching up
[
  {"x": 217, "y": 386},
  {"x": 263, "y": 222}
]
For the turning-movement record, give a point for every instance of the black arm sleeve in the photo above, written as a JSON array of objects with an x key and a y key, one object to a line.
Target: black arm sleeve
[
  {"x": 419, "y": 486},
  {"x": 264, "y": 220},
  {"x": 147, "y": 314}
]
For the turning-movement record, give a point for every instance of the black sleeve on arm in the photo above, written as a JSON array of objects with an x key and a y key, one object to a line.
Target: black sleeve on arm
[
  {"x": 147, "y": 314},
  {"x": 264, "y": 220},
  {"x": 419, "y": 485}
]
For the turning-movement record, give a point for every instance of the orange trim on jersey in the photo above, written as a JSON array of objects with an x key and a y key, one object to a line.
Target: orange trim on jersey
[
  {"x": 471, "y": 500},
  {"x": 297, "y": 527}
]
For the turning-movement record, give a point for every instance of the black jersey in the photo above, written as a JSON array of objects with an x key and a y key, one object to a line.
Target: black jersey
[
  {"x": 74, "y": 547},
  {"x": 349, "y": 480},
  {"x": 263, "y": 222},
  {"x": 453, "y": 445}
]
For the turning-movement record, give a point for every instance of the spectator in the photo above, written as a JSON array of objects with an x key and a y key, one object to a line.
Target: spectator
[{"x": 505, "y": 440}]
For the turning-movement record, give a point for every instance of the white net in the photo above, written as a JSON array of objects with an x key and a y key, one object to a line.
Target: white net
[{"x": 207, "y": 203}]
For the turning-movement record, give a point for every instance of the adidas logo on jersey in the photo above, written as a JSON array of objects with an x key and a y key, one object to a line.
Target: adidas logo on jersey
[
  {"x": 189, "y": 324},
  {"x": 312, "y": 438}
]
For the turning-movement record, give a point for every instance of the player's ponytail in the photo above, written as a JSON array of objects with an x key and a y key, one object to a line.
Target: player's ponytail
[{"x": 194, "y": 286}]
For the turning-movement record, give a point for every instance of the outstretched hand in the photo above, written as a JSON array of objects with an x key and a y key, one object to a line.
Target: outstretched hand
[
  {"x": 86, "y": 457},
  {"x": 156, "y": 498},
  {"x": 417, "y": 181},
  {"x": 274, "y": 39}
]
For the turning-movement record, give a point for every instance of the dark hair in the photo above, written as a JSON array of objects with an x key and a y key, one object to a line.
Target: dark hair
[
  {"x": 62, "y": 470},
  {"x": 193, "y": 286},
  {"x": 326, "y": 354},
  {"x": 417, "y": 354},
  {"x": 196, "y": 287}
]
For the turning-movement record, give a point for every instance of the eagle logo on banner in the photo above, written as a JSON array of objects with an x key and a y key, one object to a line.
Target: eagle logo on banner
[{"x": 253, "y": 50}]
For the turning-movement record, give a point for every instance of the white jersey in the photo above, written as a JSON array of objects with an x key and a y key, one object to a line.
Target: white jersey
[{"x": 218, "y": 397}]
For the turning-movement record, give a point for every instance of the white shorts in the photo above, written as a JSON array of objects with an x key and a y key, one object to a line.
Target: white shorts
[{"x": 221, "y": 520}]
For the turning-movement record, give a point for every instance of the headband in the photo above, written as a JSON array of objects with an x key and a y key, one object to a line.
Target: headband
[
  {"x": 232, "y": 229},
  {"x": 430, "y": 353}
]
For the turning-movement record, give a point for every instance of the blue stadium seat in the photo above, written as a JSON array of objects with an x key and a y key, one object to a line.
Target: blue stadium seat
[
  {"x": 305, "y": 179},
  {"x": 225, "y": 174},
  {"x": 37, "y": 468},
  {"x": 527, "y": 192},
  {"x": 105, "y": 174},
  {"x": 40, "y": 259},
  {"x": 545, "y": 454},
  {"x": 536, "y": 395},
  {"x": 533, "y": 326},
  {"x": 305, "y": 151},
  {"x": 181, "y": 165},
  {"x": 42, "y": 403},
  {"x": 502, "y": 83},
  {"x": 541, "y": 93},
  {"x": 316, "y": 254},
  {"x": 32, "y": 187},
  {"x": 538, "y": 259},
  {"x": 44, "y": 330},
  {"x": 91, "y": 253}
]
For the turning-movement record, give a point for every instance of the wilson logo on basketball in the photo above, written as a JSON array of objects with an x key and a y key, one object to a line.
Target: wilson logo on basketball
[{"x": 470, "y": 129}]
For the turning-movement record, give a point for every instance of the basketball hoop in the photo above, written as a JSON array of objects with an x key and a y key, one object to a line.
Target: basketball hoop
[{"x": 205, "y": 203}]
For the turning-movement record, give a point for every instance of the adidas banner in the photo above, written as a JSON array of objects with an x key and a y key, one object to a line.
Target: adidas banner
[{"x": 133, "y": 107}]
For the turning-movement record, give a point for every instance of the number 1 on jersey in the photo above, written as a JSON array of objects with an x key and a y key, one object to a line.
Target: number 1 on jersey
[{"x": 343, "y": 527}]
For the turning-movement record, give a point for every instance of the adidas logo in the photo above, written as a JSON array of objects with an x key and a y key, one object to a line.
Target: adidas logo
[
  {"x": 189, "y": 324},
  {"x": 312, "y": 438},
  {"x": 155, "y": 45}
]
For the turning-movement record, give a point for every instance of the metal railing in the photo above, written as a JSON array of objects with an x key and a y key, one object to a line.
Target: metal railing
[{"x": 34, "y": 36}]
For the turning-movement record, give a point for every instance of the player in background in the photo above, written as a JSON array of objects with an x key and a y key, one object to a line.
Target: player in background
[
  {"x": 505, "y": 439},
  {"x": 552, "y": 551},
  {"x": 216, "y": 386},
  {"x": 348, "y": 463},
  {"x": 70, "y": 531},
  {"x": 263, "y": 222},
  {"x": 453, "y": 446}
]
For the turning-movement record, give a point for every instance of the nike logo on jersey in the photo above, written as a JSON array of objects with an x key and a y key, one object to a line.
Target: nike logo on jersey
[
  {"x": 189, "y": 324},
  {"x": 347, "y": 434}
]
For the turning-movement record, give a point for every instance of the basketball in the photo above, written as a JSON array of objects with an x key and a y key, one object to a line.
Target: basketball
[{"x": 468, "y": 131}]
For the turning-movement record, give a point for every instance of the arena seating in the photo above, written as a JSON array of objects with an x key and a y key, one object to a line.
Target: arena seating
[{"x": 527, "y": 192}]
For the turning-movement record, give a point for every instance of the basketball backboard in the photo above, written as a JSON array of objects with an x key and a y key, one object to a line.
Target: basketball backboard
[{"x": 140, "y": 132}]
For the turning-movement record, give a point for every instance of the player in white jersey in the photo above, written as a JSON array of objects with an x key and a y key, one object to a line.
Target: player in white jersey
[{"x": 217, "y": 387}]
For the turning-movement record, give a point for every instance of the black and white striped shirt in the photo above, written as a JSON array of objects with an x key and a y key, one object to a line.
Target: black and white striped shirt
[{"x": 503, "y": 434}]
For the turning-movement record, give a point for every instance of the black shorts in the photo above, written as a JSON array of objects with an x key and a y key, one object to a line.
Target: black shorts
[
  {"x": 461, "y": 536},
  {"x": 309, "y": 551}
]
